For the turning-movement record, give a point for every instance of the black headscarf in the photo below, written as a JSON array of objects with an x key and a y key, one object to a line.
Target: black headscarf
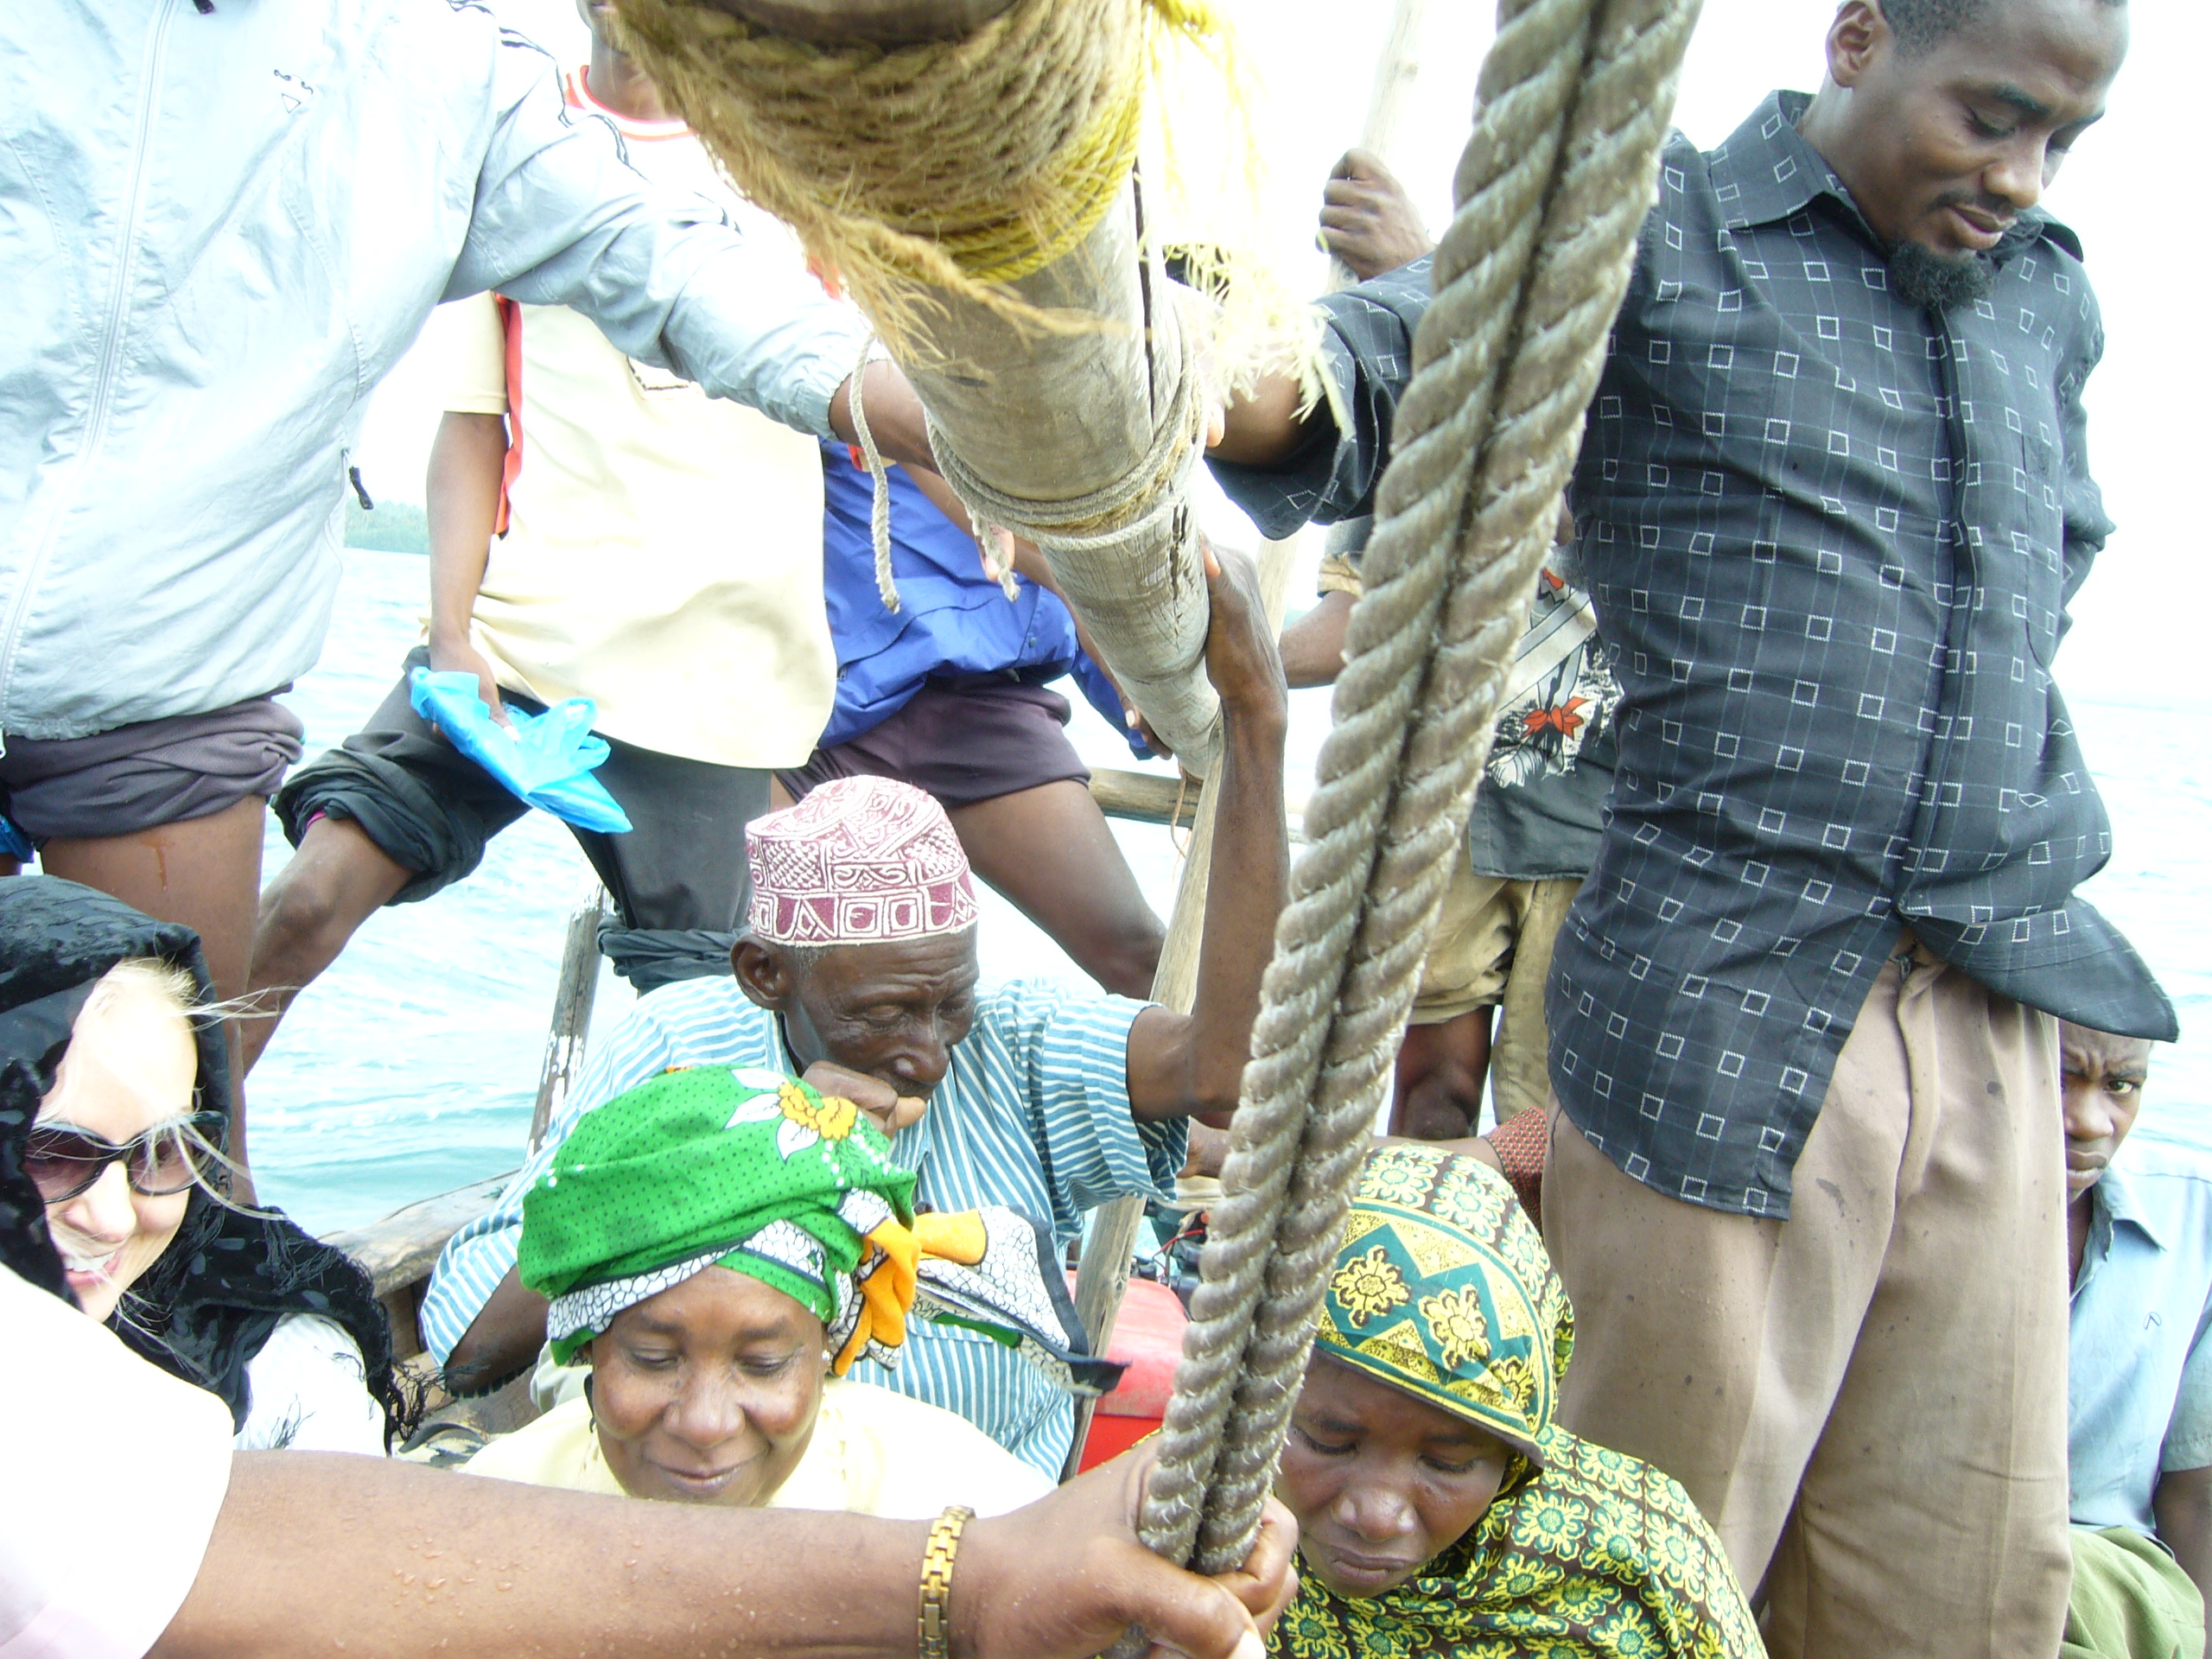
[{"x": 210, "y": 1301}]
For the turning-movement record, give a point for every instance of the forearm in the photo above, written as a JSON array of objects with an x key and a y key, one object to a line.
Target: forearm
[
  {"x": 502, "y": 1341},
  {"x": 2182, "y": 1505},
  {"x": 1313, "y": 646},
  {"x": 894, "y": 416},
  {"x": 462, "y": 503},
  {"x": 561, "y": 218},
  {"x": 1246, "y": 880},
  {"x": 316, "y": 1553},
  {"x": 325, "y": 1553},
  {"x": 1264, "y": 426}
]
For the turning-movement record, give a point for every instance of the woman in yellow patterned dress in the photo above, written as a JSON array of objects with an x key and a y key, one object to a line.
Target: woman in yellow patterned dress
[{"x": 1441, "y": 1513}]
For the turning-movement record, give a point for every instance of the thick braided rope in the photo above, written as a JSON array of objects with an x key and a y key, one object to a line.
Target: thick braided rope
[{"x": 1575, "y": 98}]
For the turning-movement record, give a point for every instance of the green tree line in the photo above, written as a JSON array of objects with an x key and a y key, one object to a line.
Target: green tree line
[{"x": 394, "y": 527}]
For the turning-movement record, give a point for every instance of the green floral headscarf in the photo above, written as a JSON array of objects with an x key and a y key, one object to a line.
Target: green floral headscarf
[
  {"x": 1441, "y": 1287},
  {"x": 755, "y": 1172}
]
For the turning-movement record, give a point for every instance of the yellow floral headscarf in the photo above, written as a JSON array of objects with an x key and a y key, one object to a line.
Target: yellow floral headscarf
[{"x": 1442, "y": 1288}]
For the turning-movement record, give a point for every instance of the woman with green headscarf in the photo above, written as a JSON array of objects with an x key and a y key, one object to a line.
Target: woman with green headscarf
[
  {"x": 1441, "y": 1514},
  {"x": 720, "y": 1245}
]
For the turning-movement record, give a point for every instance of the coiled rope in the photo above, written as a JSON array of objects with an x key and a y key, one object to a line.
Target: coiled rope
[
  {"x": 1575, "y": 99},
  {"x": 957, "y": 165}
]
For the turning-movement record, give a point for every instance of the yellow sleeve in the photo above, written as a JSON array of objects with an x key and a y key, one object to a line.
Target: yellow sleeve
[
  {"x": 465, "y": 342},
  {"x": 559, "y": 1449},
  {"x": 906, "y": 1460}
]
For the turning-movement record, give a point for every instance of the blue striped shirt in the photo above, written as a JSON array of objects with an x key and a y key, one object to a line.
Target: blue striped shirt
[{"x": 1034, "y": 1113}]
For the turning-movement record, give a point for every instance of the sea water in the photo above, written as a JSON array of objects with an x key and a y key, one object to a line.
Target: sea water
[{"x": 411, "y": 1066}]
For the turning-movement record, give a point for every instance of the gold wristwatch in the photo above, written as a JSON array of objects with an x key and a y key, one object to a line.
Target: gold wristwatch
[{"x": 936, "y": 1623}]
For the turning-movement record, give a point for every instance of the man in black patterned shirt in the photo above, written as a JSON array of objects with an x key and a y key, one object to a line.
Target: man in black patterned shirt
[{"x": 1807, "y": 1184}]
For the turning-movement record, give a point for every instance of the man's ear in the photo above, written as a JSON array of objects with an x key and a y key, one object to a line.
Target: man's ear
[
  {"x": 764, "y": 974},
  {"x": 1859, "y": 34}
]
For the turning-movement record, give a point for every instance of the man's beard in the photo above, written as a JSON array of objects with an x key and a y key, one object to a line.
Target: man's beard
[{"x": 1938, "y": 283}]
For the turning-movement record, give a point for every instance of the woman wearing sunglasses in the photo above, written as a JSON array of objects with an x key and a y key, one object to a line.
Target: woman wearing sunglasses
[{"x": 104, "y": 1044}]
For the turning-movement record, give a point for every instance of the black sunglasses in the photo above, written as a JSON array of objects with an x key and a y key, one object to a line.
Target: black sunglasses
[{"x": 63, "y": 1162}]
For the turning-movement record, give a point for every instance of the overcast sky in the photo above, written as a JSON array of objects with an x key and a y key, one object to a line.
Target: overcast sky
[{"x": 2144, "y": 609}]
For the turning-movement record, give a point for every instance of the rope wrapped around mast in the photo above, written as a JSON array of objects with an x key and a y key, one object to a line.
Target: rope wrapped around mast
[
  {"x": 1575, "y": 99},
  {"x": 976, "y": 197}
]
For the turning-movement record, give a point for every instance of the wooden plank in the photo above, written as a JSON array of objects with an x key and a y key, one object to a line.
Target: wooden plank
[
  {"x": 570, "y": 1027},
  {"x": 1395, "y": 72},
  {"x": 1145, "y": 797},
  {"x": 399, "y": 1250}
]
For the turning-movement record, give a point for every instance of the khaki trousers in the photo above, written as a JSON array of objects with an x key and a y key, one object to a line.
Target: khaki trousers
[{"x": 1868, "y": 1400}]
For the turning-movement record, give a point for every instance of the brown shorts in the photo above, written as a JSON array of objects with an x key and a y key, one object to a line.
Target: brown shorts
[
  {"x": 155, "y": 772},
  {"x": 962, "y": 741}
]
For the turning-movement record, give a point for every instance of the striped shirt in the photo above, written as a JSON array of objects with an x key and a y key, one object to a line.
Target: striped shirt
[{"x": 1034, "y": 1113}]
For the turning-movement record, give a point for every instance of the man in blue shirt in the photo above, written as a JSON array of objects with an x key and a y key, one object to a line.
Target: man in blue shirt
[{"x": 2138, "y": 1231}]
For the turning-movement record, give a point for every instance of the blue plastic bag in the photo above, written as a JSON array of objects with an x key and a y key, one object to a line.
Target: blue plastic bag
[
  {"x": 545, "y": 761},
  {"x": 14, "y": 843}
]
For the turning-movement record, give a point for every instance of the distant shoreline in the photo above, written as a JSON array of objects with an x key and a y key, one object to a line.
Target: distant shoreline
[{"x": 393, "y": 527}]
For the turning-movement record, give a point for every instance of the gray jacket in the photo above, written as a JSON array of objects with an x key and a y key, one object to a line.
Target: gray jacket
[{"x": 219, "y": 230}]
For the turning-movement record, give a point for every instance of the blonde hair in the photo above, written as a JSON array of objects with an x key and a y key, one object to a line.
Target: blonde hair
[{"x": 173, "y": 986}]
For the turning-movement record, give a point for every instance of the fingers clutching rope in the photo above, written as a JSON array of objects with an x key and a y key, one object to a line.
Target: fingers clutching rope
[{"x": 1575, "y": 98}]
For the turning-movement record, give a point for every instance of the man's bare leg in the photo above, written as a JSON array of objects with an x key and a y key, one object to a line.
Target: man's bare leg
[
  {"x": 204, "y": 873},
  {"x": 1439, "y": 1079},
  {"x": 336, "y": 881},
  {"x": 1050, "y": 852}
]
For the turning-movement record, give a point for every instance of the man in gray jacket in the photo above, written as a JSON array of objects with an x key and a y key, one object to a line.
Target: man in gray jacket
[{"x": 221, "y": 222}]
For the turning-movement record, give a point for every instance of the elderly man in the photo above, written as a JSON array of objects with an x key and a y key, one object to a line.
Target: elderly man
[
  {"x": 1806, "y": 1184},
  {"x": 858, "y": 969}
]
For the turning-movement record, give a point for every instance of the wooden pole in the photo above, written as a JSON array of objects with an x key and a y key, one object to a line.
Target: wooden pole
[
  {"x": 1081, "y": 439},
  {"x": 1395, "y": 72},
  {"x": 1101, "y": 1277},
  {"x": 1103, "y": 1274},
  {"x": 573, "y": 994}
]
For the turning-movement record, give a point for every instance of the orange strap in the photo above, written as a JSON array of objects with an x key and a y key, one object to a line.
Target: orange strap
[{"x": 888, "y": 1281}]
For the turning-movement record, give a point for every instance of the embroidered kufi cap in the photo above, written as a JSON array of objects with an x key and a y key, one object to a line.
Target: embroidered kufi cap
[{"x": 858, "y": 861}]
